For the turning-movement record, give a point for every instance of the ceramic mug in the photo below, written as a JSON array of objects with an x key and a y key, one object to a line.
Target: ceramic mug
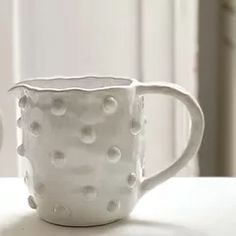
[{"x": 82, "y": 142}]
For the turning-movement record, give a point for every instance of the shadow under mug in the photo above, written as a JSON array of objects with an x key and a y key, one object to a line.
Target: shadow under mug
[{"x": 83, "y": 145}]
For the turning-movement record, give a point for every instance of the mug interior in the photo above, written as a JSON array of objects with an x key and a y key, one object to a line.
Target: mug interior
[{"x": 86, "y": 83}]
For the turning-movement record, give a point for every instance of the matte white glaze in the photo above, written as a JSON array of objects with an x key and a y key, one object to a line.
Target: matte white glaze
[{"x": 84, "y": 147}]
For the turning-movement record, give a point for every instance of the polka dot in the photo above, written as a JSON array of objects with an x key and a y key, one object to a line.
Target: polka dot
[
  {"x": 60, "y": 211},
  {"x": 110, "y": 105},
  {"x": 31, "y": 202},
  {"x": 35, "y": 128},
  {"x": 26, "y": 178},
  {"x": 113, "y": 205},
  {"x": 58, "y": 107},
  {"x": 19, "y": 122},
  {"x": 21, "y": 150},
  {"x": 57, "y": 158},
  {"x": 89, "y": 193},
  {"x": 87, "y": 135},
  {"x": 39, "y": 188},
  {"x": 23, "y": 102},
  {"x": 114, "y": 154},
  {"x": 135, "y": 127},
  {"x": 131, "y": 179}
]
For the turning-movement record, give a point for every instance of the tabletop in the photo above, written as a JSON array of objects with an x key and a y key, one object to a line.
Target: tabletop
[{"x": 180, "y": 206}]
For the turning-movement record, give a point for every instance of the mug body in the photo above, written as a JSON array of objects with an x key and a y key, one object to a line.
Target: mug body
[{"x": 82, "y": 148}]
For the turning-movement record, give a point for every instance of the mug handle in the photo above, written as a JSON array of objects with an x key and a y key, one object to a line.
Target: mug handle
[{"x": 197, "y": 128}]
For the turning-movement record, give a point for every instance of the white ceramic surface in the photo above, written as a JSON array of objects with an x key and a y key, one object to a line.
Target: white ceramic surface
[{"x": 83, "y": 144}]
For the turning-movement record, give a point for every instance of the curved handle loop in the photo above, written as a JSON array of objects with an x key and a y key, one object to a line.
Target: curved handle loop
[{"x": 197, "y": 129}]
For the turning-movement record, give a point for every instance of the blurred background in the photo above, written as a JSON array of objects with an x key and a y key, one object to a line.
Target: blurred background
[{"x": 189, "y": 42}]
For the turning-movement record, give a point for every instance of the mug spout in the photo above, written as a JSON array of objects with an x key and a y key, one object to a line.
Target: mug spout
[{"x": 15, "y": 90}]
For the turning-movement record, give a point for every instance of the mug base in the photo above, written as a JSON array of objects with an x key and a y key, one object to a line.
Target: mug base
[{"x": 68, "y": 224}]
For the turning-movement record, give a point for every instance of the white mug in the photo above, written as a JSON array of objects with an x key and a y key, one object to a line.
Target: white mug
[{"x": 82, "y": 139}]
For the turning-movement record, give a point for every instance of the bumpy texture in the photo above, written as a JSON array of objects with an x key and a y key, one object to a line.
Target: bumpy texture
[{"x": 83, "y": 153}]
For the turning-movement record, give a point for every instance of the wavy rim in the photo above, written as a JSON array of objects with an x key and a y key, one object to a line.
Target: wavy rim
[{"x": 73, "y": 88}]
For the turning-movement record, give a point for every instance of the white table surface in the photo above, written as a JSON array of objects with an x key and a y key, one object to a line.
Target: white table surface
[{"x": 181, "y": 206}]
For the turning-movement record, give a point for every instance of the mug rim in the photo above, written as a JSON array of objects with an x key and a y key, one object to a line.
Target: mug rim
[{"x": 27, "y": 83}]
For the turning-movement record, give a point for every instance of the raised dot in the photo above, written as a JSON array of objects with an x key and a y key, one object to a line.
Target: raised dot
[
  {"x": 110, "y": 105},
  {"x": 58, "y": 107},
  {"x": 21, "y": 150},
  {"x": 135, "y": 127},
  {"x": 60, "y": 211},
  {"x": 39, "y": 188},
  {"x": 131, "y": 179},
  {"x": 19, "y": 122},
  {"x": 87, "y": 135},
  {"x": 35, "y": 128},
  {"x": 114, "y": 154},
  {"x": 32, "y": 202},
  {"x": 26, "y": 178},
  {"x": 57, "y": 158},
  {"x": 23, "y": 102},
  {"x": 113, "y": 205},
  {"x": 89, "y": 193}
]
